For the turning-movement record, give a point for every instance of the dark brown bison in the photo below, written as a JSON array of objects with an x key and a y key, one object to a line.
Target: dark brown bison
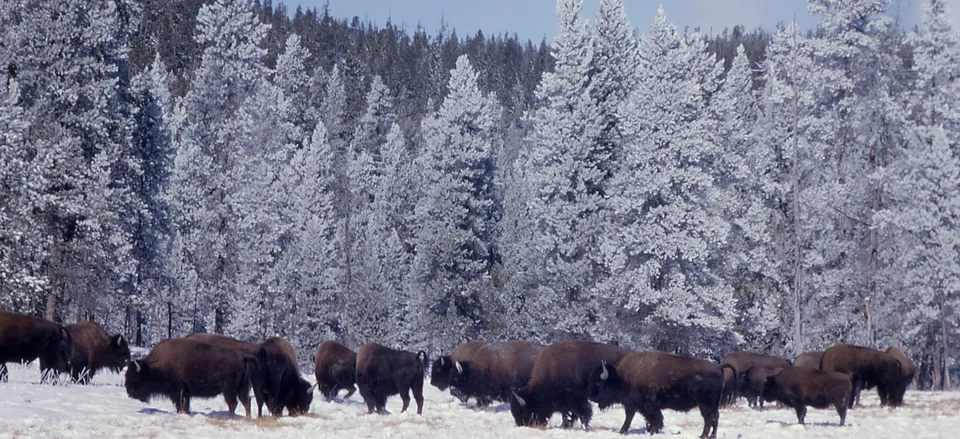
[
  {"x": 742, "y": 362},
  {"x": 754, "y": 380},
  {"x": 382, "y": 372},
  {"x": 496, "y": 369},
  {"x": 867, "y": 368},
  {"x": 25, "y": 338},
  {"x": 278, "y": 375},
  {"x": 251, "y": 349},
  {"x": 335, "y": 367},
  {"x": 94, "y": 349},
  {"x": 181, "y": 369},
  {"x": 648, "y": 382},
  {"x": 907, "y": 368},
  {"x": 800, "y": 387},
  {"x": 559, "y": 381},
  {"x": 809, "y": 359},
  {"x": 440, "y": 371}
]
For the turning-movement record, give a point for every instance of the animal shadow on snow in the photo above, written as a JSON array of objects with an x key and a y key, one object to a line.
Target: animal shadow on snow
[
  {"x": 499, "y": 408},
  {"x": 223, "y": 414},
  {"x": 808, "y": 424}
]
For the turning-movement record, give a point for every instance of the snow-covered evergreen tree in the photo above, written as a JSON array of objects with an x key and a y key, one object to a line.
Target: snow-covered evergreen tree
[
  {"x": 457, "y": 215},
  {"x": 925, "y": 203},
  {"x": 662, "y": 251}
]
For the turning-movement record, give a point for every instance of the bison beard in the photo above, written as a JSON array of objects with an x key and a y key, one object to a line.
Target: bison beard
[
  {"x": 94, "y": 349},
  {"x": 335, "y": 367},
  {"x": 648, "y": 382},
  {"x": 181, "y": 369},
  {"x": 559, "y": 381},
  {"x": 25, "y": 338},
  {"x": 442, "y": 369},
  {"x": 799, "y": 387},
  {"x": 382, "y": 372},
  {"x": 867, "y": 368}
]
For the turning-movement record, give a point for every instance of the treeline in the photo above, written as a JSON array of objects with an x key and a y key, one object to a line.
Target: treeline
[{"x": 177, "y": 167}]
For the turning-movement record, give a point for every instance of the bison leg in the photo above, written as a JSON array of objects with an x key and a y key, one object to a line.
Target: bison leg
[
  {"x": 654, "y": 421},
  {"x": 418, "y": 394},
  {"x": 350, "y": 392},
  {"x": 231, "y": 397},
  {"x": 585, "y": 412},
  {"x": 404, "y": 395},
  {"x": 801, "y": 412},
  {"x": 842, "y": 410},
  {"x": 630, "y": 413},
  {"x": 711, "y": 417},
  {"x": 4, "y": 377},
  {"x": 245, "y": 400}
]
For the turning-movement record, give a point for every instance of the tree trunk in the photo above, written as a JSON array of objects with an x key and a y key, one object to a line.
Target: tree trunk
[
  {"x": 53, "y": 293},
  {"x": 170, "y": 320},
  {"x": 947, "y": 385}
]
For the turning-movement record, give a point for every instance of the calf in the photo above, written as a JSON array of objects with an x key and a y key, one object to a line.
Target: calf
[
  {"x": 558, "y": 383},
  {"x": 442, "y": 366},
  {"x": 496, "y": 369},
  {"x": 181, "y": 369},
  {"x": 25, "y": 338},
  {"x": 251, "y": 349},
  {"x": 867, "y": 368},
  {"x": 278, "y": 375},
  {"x": 335, "y": 367},
  {"x": 648, "y": 382},
  {"x": 94, "y": 349},
  {"x": 799, "y": 387},
  {"x": 382, "y": 372}
]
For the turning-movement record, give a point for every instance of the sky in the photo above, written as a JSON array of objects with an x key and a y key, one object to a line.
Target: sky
[{"x": 536, "y": 19}]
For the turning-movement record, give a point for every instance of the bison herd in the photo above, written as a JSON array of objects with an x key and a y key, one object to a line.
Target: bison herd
[{"x": 536, "y": 381}]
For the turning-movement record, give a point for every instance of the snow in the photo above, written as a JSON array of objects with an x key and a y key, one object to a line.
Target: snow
[{"x": 102, "y": 410}]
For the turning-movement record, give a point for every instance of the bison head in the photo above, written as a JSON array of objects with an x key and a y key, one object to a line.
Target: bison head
[
  {"x": 770, "y": 390},
  {"x": 440, "y": 372},
  {"x": 298, "y": 403},
  {"x": 604, "y": 385},
  {"x": 138, "y": 382},
  {"x": 527, "y": 410},
  {"x": 459, "y": 373},
  {"x": 118, "y": 355}
]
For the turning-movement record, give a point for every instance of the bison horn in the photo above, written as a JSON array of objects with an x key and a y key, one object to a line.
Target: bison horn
[
  {"x": 519, "y": 400},
  {"x": 441, "y": 361},
  {"x": 459, "y": 367},
  {"x": 138, "y": 366},
  {"x": 314, "y": 386},
  {"x": 606, "y": 373}
]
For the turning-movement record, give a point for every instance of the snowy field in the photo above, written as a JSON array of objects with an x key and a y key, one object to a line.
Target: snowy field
[{"x": 102, "y": 410}]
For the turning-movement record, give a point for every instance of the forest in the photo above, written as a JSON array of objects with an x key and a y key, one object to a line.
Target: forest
[{"x": 228, "y": 166}]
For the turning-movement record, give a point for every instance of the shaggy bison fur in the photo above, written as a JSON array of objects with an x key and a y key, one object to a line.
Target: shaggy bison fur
[
  {"x": 278, "y": 375},
  {"x": 496, "y": 369},
  {"x": 809, "y": 359},
  {"x": 181, "y": 369},
  {"x": 94, "y": 349},
  {"x": 907, "y": 367},
  {"x": 440, "y": 370},
  {"x": 251, "y": 349},
  {"x": 25, "y": 338},
  {"x": 559, "y": 383},
  {"x": 868, "y": 368},
  {"x": 802, "y": 387},
  {"x": 335, "y": 367},
  {"x": 382, "y": 372},
  {"x": 648, "y": 382}
]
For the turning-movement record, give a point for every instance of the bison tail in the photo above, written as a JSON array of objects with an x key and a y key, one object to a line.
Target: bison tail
[
  {"x": 422, "y": 358},
  {"x": 728, "y": 388},
  {"x": 69, "y": 351}
]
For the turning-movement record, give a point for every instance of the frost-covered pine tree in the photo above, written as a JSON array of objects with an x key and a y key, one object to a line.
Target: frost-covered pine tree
[
  {"x": 566, "y": 217},
  {"x": 925, "y": 202},
  {"x": 662, "y": 250},
  {"x": 858, "y": 47},
  {"x": 292, "y": 77},
  {"x": 457, "y": 215},
  {"x": 210, "y": 131}
]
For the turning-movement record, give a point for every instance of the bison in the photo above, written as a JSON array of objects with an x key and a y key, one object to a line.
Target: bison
[
  {"x": 558, "y": 383},
  {"x": 278, "y": 375},
  {"x": 440, "y": 371},
  {"x": 800, "y": 387},
  {"x": 335, "y": 367},
  {"x": 648, "y": 382},
  {"x": 754, "y": 381},
  {"x": 94, "y": 349},
  {"x": 867, "y": 368},
  {"x": 809, "y": 359},
  {"x": 496, "y": 369},
  {"x": 742, "y": 362},
  {"x": 25, "y": 338},
  {"x": 907, "y": 370},
  {"x": 251, "y": 349},
  {"x": 382, "y": 372},
  {"x": 181, "y": 369}
]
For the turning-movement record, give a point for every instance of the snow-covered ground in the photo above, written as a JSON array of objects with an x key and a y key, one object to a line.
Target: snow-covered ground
[{"x": 103, "y": 410}]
